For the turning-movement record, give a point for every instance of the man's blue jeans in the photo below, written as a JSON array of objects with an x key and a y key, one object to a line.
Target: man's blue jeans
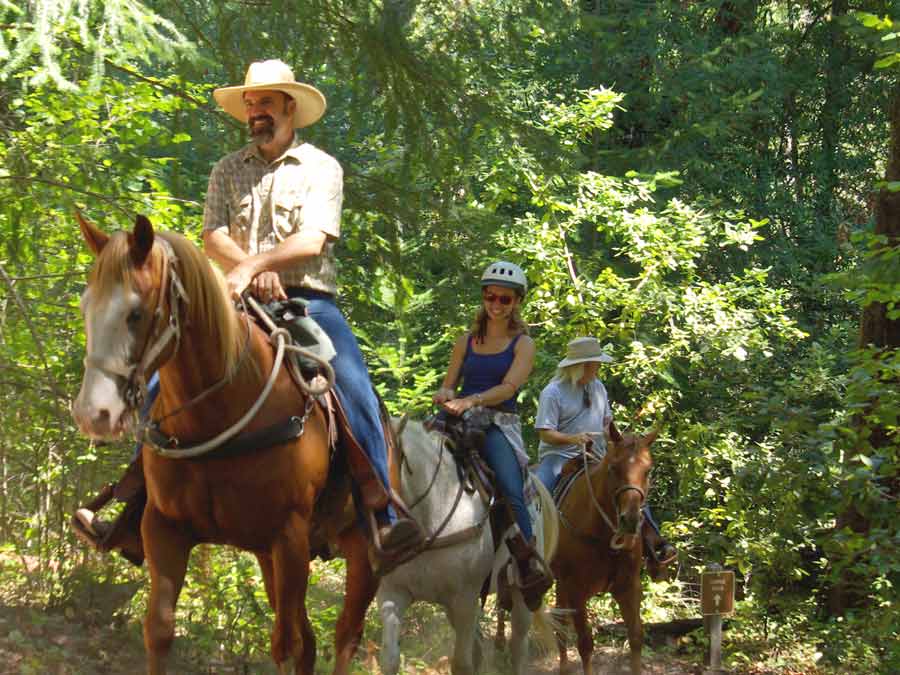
[
  {"x": 501, "y": 457},
  {"x": 352, "y": 384},
  {"x": 551, "y": 467},
  {"x": 144, "y": 415}
]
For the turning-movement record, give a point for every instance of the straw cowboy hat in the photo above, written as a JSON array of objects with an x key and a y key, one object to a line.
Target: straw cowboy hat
[
  {"x": 277, "y": 76},
  {"x": 583, "y": 349}
]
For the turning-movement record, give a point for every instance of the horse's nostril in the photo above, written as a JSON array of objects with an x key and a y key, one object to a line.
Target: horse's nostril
[{"x": 103, "y": 416}]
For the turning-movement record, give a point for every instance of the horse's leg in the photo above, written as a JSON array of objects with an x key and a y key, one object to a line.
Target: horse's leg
[
  {"x": 167, "y": 552},
  {"x": 562, "y": 603},
  {"x": 292, "y": 637},
  {"x": 268, "y": 575},
  {"x": 359, "y": 590},
  {"x": 463, "y": 614},
  {"x": 393, "y": 603},
  {"x": 520, "y": 624},
  {"x": 629, "y": 601},
  {"x": 500, "y": 635},
  {"x": 578, "y": 603}
]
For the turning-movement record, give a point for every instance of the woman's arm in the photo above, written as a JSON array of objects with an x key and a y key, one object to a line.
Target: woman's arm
[
  {"x": 554, "y": 437},
  {"x": 515, "y": 377},
  {"x": 448, "y": 387}
]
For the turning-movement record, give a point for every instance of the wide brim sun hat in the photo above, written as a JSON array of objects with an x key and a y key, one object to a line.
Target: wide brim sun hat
[
  {"x": 273, "y": 75},
  {"x": 584, "y": 350}
]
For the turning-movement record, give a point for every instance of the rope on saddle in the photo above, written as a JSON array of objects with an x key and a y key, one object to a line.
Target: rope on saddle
[{"x": 281, "y": 338}]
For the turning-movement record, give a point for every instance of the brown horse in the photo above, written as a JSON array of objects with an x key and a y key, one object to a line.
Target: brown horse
[
  {"x": 600, "y": 547},
  {"x": 153, "y": 302}
]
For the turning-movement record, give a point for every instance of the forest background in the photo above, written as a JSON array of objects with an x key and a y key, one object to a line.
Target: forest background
[{"x": 709, "y": 187}]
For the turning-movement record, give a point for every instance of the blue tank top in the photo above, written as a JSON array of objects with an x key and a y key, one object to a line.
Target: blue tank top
[{"x": 480, "y": 372}]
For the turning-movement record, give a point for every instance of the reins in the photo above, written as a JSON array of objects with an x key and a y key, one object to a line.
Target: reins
[
  {"x": 618, "y": 539},
  {"x": 245, "y": 352},
  {"x": 281, "y": 339},
  {"x": 172, "y": 292},
  {"x": 435, "y": 540},
  {"x": 437, "y": 469}
]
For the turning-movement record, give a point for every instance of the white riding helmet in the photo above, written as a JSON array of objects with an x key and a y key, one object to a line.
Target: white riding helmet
[{"x": 505, "y": 274}]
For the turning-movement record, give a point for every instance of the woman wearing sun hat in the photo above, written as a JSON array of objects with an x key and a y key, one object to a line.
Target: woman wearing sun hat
[
  {"x": 491, "y": 362},
  {"x": 574, "y": 411}
]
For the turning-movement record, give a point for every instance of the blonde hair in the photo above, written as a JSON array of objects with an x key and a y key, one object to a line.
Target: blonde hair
[{"x": 570, "y": 374}]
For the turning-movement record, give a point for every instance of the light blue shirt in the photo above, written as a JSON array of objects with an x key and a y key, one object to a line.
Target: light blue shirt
[{"x": 562, "y": 408}]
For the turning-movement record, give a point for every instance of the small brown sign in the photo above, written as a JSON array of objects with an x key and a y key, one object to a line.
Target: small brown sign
[{"x": 716, "y": 593}]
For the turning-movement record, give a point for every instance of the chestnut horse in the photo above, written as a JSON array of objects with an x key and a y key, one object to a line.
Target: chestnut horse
[
  {"x": 153, "y": 302},
  {"x": 600, "y": 548}
]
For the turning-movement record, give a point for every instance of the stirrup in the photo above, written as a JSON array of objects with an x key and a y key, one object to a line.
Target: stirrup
[
  {"x": 391, "y": 554},
  {"x": 654, "y": 554},
  {"x": 83, "y": 526},
  {"x": 534, "y": 589},
  {"x": 668, "y": 560}
]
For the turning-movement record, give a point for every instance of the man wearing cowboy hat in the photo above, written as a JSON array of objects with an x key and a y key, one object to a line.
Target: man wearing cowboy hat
[
  {"x": 574, "y": 412},
  {"x": 272, "y": 216}
]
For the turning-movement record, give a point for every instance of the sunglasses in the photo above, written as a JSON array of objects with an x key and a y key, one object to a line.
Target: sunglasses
[{"x": 502, "y": 299}]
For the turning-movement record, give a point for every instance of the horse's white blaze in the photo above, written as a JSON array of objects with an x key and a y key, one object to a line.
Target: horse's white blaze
[{"x": 99, "y": 408}]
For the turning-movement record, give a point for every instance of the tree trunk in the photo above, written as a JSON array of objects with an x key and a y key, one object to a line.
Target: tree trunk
[
  {"x": 833, "y": 106},
  {"x": 883, "y": 333}
]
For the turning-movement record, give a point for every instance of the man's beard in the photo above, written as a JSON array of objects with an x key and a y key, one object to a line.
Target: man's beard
[{"x": 263, "y": 132}]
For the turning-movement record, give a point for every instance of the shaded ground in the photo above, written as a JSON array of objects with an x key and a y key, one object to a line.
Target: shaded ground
[
  {"x": 58, "y": 642},
  {"x": 95, "y": 633}
]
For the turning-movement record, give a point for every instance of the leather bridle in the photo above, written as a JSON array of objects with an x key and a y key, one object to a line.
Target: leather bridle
[{"x": 171, "y": 293}]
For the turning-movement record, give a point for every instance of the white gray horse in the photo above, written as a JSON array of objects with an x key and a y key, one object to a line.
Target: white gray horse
[{"x": 452, "y": 571}]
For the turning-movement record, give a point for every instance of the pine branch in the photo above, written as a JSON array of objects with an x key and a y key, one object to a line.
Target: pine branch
[
  {"x": 156, "y": 83},
  {"x": 112, "y": 201},
  {"x": 48, "y": 276},
  {"x": 26, "y": 316}
]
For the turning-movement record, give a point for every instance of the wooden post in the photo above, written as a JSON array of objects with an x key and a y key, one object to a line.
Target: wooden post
[{"x": 716, "y": 599}]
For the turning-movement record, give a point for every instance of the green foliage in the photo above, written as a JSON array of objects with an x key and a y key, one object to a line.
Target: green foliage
[
  {"x": 689, "y": 182},
  {"x": 113, "y": 32}
]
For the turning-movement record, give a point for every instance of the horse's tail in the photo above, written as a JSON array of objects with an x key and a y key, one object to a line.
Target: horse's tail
[
  {"x": 550, "y": 518},
  {"x": 545, "y": 622}
]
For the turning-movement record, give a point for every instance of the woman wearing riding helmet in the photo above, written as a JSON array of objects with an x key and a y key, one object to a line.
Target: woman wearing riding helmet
[{"x": 494, "y": 360}]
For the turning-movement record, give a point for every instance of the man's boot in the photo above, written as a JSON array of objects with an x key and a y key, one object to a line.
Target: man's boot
[
  {"x": 533, "y": 576},
  {"x": 123, "y": 533},
  {"x": 658, "y": 553},
  {"x": 402, "y": 536}
]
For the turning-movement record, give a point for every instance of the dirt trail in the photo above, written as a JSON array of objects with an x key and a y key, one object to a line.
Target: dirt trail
[{"x": 61, "y": 643}]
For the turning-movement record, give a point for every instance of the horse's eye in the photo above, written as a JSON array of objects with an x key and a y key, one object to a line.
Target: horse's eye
[{"x": 134, "y": 316}]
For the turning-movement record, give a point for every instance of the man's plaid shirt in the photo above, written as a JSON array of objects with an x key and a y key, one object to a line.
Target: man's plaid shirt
[{"x": 259, "y": 204}]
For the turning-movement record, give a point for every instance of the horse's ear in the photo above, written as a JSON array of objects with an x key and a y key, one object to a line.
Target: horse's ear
[
  {"x": 140, "y": 241},
  {"x": 94, "y": 237},
  {"x": 651, "y": 436},
  {"x": 400, "y": 425}
]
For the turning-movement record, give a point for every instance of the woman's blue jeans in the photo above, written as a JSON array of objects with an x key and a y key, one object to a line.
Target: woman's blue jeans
[
  {"x": 501, "y": 457},
  {"x": 551, "y": 467}
]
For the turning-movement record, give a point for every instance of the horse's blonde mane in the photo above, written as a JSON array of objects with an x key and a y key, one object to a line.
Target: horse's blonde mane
[
  {"x": 210, "y": 305},
  {"x": 209, "y": 309}
]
